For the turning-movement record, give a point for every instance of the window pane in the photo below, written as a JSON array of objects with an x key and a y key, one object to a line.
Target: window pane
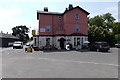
[
  {"x": 47, "y": 28},
  {"x": 60, "y": 18},
  {"x": 77, "y": 16},
  {"x": 47, "y": 41},
  {"x": 77, "y": 28},
  {"x": 59, "y": 27}
]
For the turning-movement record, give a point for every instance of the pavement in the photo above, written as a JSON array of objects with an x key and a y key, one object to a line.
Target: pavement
[{"x": 16, "y": 63}]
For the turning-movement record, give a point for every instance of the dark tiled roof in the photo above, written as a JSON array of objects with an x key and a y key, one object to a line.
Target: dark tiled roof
[
  {"x": 45, "y": 12},
  {"x": 3, "y": 35},
  {"x": 57, "y": 13},
  {"x": 78, "y": 8}
]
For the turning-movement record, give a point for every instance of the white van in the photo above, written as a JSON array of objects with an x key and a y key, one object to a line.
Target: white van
[{"x": 17, "y": 44}]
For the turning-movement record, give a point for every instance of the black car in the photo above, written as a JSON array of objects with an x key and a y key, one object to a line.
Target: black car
[{"x": 99, "y": 46}]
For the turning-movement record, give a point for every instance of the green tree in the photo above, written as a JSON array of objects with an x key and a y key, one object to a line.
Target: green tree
[
  {"x": 96, "y": 33},
  {"x": 99, "y": 28},
  {"x": 116, "y": 28},
  {"x": 108, "y": 20},
  {"x": 21, "y": 32},
  {"x": 97, "y": 20},
  {"x": 105, "y": 20},
  {"x": 117, "y": 37}
]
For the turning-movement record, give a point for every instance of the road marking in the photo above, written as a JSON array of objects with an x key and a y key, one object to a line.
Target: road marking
[{"x": 80, "y": 62}]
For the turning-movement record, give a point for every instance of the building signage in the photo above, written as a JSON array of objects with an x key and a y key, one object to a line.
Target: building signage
[
  {"x": 42, "y": 29},
  {"x": 33, "y": 32}
]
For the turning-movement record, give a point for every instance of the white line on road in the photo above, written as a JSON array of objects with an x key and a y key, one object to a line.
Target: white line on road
[{"x": 107, "y": 64}]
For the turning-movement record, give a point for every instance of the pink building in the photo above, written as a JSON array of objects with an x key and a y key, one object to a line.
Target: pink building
[{"x": 58, "y": 29}]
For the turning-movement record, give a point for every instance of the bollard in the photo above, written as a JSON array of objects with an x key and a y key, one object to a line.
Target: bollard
[{"x": 29, "y": 49}]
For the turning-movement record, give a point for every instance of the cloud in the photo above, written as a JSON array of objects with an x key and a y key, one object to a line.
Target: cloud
[
  {"x": 119, "y": 11},
  {"x": 59, "y": 0},
  {"x": 8, "y": 17},
  {"x": 112, "y": 10},
  {"x": 7, "y": 13}
]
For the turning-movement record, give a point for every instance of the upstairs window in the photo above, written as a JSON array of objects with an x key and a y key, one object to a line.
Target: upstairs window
[
  {"x": 59, "y": 28},
  {"x": 77, "y": 28},
  {"x": 48, "y": 28},
  {"x": 76, "y": 16},
  {"x": 60, "y": 18}
]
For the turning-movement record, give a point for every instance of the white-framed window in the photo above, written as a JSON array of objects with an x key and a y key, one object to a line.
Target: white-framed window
[
  {"x": 47, "y": 28},
  {"x": 47, "y": 41},
  {"x": 77, "y": 28},
  {"x": 74, "y": 41},
  {"x": 86, "y": 39},
  {"x": 77, "y": 16},
  {"x": 59, "y": 27},
  {"x": 60, "y": 18}
]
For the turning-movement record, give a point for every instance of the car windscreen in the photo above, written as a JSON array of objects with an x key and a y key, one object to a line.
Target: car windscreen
[
  {"x": 17, "y": 43},
  {"x": 104, "y": 44}
]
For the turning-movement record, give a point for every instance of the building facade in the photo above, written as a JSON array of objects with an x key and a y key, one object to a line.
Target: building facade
[
  {"x": 7, "y": 40},
  {"x": 58, "y": 29}
]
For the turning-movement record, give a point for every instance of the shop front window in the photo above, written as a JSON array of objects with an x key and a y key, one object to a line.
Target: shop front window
[{"x": 47, "y": 41}]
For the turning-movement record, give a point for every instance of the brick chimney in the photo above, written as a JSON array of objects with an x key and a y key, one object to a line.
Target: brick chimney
[
  {"x": 70, "y": 6},
  {"x": 46, "y": 9}
]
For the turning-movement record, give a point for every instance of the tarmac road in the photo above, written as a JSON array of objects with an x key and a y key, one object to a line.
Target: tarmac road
[{"x": 16, "y": 63}]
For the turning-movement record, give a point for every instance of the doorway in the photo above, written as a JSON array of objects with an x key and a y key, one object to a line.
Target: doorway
[{"x": 62, "y": 40}]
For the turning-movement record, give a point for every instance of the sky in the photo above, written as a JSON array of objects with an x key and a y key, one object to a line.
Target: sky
[{"x": 24, "y": 12}]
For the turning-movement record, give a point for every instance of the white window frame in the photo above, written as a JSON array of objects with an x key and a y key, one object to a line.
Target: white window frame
[
  {"x": 48, "y": 28},
  {"x": 77, "y": 28},
  {"x": 60, "y": 18},
  {"x": 77, "y": 16},
  {"x": 59, "y": 28}
]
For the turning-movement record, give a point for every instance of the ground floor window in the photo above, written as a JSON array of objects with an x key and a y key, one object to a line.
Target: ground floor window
[
  {"x": 74, "y": 41},
  {"x": 47, "y": 41},
  {"x": 78, "y": 41}
]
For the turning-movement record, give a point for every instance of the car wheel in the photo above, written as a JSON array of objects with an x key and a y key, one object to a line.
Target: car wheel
[
  {"x": 106, "y": 50},
  {"x": 98, "y": 50}
]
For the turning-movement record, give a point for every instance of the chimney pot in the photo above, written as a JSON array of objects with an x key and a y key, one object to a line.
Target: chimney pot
[
  {"x": 70, "y": 6},
  {"x": 46, "y": 9}
]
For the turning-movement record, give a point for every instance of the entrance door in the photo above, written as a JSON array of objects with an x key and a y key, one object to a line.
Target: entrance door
[{"x": 62, "y": 40}]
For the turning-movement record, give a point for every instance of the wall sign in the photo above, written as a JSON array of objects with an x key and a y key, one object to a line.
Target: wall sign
[{"x": 42, "y": 29}]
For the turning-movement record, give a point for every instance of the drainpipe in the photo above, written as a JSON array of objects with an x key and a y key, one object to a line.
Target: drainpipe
[{"x": 52, "y": 30}]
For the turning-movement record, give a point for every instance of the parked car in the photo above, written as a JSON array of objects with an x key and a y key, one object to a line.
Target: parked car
[
  {"x": 17, "y": 44},
  {"x": 10, "y": 43},
  {"x": 99, "y": 46},
  {"x": 117, "y": 45},
  {"x": 29, "y": 44}
]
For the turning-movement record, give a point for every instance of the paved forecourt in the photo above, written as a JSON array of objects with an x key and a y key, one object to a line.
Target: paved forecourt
[{"x": 16, "y": 63}]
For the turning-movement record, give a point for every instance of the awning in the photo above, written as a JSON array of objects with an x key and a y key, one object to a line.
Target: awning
[{"x": 86, "y": 42}]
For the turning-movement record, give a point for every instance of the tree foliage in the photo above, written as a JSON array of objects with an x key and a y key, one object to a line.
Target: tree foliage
[
  {"x": 105, "y": 20},
  {"x": 116, "y": 28},
  {"x": 97, "y": 20},
  {"x": 117, "y": 37},
  {"x": 21, "y": 32},
  {"x": 99, "y": 29}
]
